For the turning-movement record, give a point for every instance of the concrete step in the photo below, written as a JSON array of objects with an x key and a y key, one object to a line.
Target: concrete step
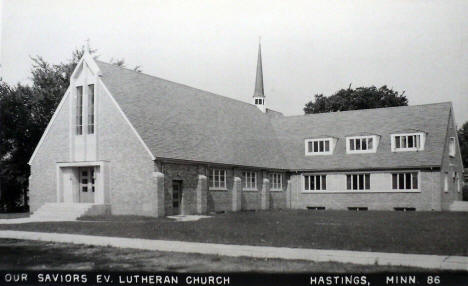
[
  {"x": 459, "y": 206},
  {"x": 61, "y": 211}
]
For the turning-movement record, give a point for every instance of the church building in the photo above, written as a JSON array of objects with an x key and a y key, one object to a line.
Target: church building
[{"x": 126, "y": 143}]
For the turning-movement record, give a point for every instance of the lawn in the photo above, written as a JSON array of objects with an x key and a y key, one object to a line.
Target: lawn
[
  {"x": 36, "y": 255},
  {"x": 444, "y": 233},
  {"x": 13, "y": 215}
]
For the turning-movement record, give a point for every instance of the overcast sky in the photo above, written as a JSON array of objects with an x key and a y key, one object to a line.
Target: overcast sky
[{"x": 309, "y": 47}]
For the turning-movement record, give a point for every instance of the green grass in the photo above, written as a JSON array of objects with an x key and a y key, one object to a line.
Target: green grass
[
  {"x": 36, "y": 255},
  {"x": 13, "y": 215},
  {"x": 443, "y": 233}
]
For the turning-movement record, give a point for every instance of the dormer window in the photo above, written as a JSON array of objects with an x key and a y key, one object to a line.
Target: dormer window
[
  {"x": 362, "y": 144},
  {"x": 320, "y": 146},
  {"x": 408, "y": 142}
]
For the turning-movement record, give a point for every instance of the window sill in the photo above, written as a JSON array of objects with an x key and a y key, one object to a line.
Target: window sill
[
  {"x": 361, "y": 152},
  {"x": 408, "y": 150},
  {"x": 360, "y": 192},
  {"x": 218, "y": 189},
  {"x": 276, "y": 190},
  {"x": 250, "y": 190},
  {"x": 319, "y": 154}
]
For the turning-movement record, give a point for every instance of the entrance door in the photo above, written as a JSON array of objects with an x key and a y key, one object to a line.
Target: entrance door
[
  {"x": 176, "y": 196},
  {"x": 87, "y": 185}
]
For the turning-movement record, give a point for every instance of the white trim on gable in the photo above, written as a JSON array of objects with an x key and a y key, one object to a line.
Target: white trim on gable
[
  {"x": 91, "y": 64},
  {"x": 127, "y": 120},
  {"x": 51, "y": 122}
]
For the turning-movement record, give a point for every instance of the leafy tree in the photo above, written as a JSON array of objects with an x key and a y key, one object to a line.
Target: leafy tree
[
  {"x": 359, "y": 98},
  {"x": 463, "y": 140},
  {"x": 25, "y": 111}
]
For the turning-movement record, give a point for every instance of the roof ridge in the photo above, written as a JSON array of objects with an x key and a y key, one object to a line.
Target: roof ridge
[
  {"x": 367, "y": 109},
  {"x": 177, "y": 83}
]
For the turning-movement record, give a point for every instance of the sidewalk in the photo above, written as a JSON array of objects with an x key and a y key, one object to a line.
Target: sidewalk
[{"x": 316, "y": 255}]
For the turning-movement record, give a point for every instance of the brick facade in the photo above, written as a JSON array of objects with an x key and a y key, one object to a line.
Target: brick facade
[
  {"x": 132, "y": 188},
  {"x": 55, "y": 148},
  {"x": 138, "y": 182},
  {"x": 217, "y": 200}
]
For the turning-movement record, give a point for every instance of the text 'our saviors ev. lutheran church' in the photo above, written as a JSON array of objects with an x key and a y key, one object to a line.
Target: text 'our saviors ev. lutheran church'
[{"x": 124, "y": 142}]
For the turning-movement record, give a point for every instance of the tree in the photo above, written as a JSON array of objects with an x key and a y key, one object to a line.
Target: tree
[
  {"x": 359, "y": 98},
  {"x": 25, "y": 111},
  {"x": 463, "y": 140}
]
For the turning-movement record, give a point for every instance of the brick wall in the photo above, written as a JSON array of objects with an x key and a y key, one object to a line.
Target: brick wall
[
  {"x": 217, "y": 200},
  {"x": 450, "y": 166},
  {"x": 43, "y": 179},
  {"x": 132, "y": 188},
  {"x": 427, "y": 199}
]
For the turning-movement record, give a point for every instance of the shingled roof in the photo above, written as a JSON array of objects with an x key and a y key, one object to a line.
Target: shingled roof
[
  {"x": 180, "y": 122},
  {"x": 432, "y": 119}
]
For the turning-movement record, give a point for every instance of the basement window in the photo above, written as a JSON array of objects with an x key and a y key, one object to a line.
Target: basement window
[{"x": 357, "y": 208}]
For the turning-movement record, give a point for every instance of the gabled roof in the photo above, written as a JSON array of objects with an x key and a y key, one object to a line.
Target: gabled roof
[
  {"x": 176, "y": 121},
  {"x": 180, "y": 122},
  {"x": 432, "y": 119}
]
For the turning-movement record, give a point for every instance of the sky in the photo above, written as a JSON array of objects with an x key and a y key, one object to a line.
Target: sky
[{"x": 308, "y": 47}]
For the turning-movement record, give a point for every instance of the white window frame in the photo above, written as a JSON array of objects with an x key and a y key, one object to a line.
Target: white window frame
[
  {"x": 91, "y": 128},
  {"x": 422, "y": 139},
  {"x": 216, "y": 173},
  {"x": 446, "y": 182},
  {"x": 452, "y": 149},
  {"x": 323, "y": 183},
  {"x": 79, "y": 108},
  {"x": 331, "y": 146},
  {"x": 276, "y": 183},
  {"x": 355, "y": 178},
  {"x": 247, "y": 184},
  {"x": 404, "y": 174},
  {"x": 367, "y": 138}
]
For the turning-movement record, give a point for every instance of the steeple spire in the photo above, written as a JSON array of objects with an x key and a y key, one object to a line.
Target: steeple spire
[
  {"x": 259, "y": 78},
  {"x": 259, "y": 95}
]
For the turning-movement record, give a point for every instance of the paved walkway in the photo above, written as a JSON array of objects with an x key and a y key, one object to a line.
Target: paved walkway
[{"x": 316, "y": 255}]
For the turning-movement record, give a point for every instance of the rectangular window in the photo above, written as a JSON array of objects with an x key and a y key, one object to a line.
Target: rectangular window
[
  {"x": 315, "y": 183},
  {"x": 358, "y": 182},
  {"x": 91, "y": 109},
  {"x": 407, "y": 142},
  {"x": 276, "y": 180},
  {"x": 360, "y": 144},
  {"x": 218, "y": 179},
  {"x": 250, "y": 180},
  {"x": 446, "y": 183},
  {"x": 79, "y": 110},
  {"x": 405, "y": 181},
  {"x": 452, "y": 147},
  {"x": 318, "y": 146}
]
